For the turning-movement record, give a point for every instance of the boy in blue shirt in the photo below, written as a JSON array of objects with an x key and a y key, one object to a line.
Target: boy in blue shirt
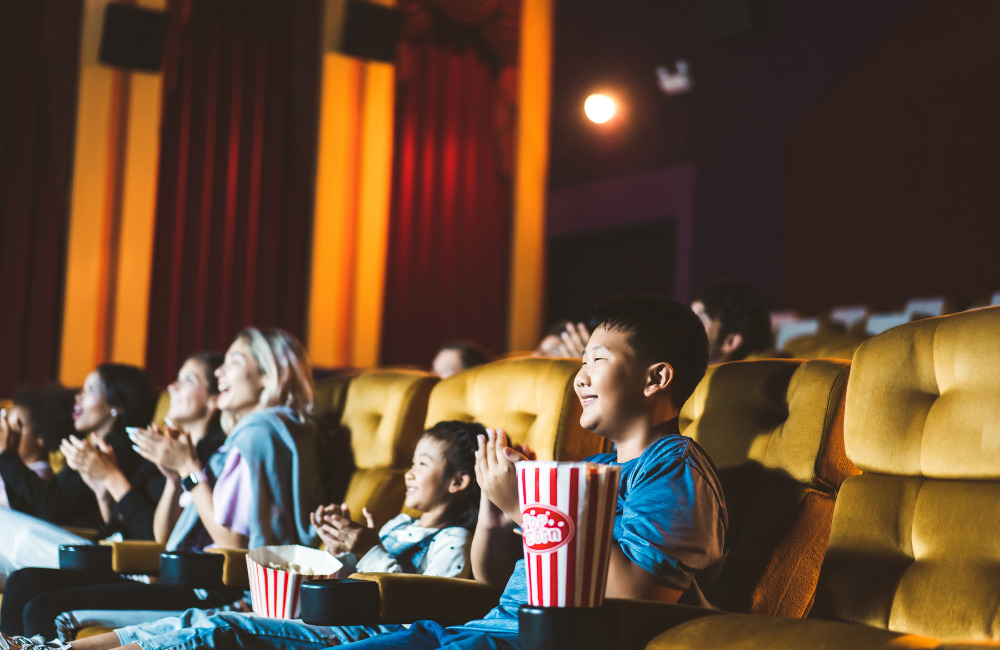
[{"x": 645, "y": 357}]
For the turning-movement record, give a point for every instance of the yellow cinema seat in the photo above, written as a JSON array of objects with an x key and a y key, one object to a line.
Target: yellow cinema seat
[
  {"x": 533, "y": 400},
  {"x": 913, "y": 558}
]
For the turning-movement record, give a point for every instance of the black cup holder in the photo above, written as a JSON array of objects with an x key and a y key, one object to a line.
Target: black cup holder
[
  {"x": 86, "y": 557},
  {"x": 339, "y": 601},
  {"x": 191, "y": 569},
  {"x": 567, "y": 628}
]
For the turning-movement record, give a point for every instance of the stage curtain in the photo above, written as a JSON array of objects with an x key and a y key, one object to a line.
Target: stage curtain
[
  {"x": 39, "y": 54},
  {"x": 450, "y": 217},
  {"x": 237, "y": 170}
]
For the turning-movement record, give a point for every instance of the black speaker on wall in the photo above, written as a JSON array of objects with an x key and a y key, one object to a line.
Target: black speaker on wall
[
  {"x": 370, "y": 31},
  {"x": 132, "y": 37}
]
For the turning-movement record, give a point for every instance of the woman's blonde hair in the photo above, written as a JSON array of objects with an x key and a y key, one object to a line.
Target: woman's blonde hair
[{"x": 284, "y": 369}]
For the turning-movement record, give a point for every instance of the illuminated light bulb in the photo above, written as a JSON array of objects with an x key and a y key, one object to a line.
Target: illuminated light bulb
[{"x": 599, "y": 108}]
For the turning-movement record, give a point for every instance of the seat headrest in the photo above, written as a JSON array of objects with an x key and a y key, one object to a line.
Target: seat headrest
[
  {"x": 530, "y": 398},
  {"x": 784, "y": 414},
  {"x": 384, "y": 411},
  {"x": 924, "y": 399}
]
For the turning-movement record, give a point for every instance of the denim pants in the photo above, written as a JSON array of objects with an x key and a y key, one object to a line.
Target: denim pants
[
  {"x": 428, "y": 635},
  {"x": 198, "y": 629}
]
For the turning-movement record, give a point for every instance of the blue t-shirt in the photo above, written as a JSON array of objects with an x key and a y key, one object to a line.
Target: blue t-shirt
[{"x": 670, "y": 519}]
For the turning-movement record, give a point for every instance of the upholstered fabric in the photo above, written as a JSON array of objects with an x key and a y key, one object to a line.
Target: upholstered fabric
[
  {"x": 781, "y": 414},
  {"x": 405, "y": 598},
  {"x": 774, "y": 429},
  {"x": 532, "y": 399},
  {"x": 914, "y": 546},
  {"x": 162, "y": 407},
  {"x": 824, "y": 345},
  {"x": 384, "y": 411},
  {"x": 741, "y": 632},
  {"x": 927, "y": 402},
  {"x": 383, "y": 415}
]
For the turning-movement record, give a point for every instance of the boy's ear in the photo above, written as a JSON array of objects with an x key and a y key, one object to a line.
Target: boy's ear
[
  {"x": 658, "y": 377},
  {"x": 458, "y": 483}
]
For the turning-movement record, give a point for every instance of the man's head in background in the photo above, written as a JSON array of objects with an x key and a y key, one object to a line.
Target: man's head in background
[
  {"x": 457, "y": 356},
  {"x": 736, "y": 318}
]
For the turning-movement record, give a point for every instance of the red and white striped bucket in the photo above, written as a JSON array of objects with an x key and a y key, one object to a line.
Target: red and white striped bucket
[
  {"x": 275, "y": 592},
  {"x": 567, "y": 517}
]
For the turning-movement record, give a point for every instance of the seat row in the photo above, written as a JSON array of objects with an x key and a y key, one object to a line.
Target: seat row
[{"x": 869, "y": 504}]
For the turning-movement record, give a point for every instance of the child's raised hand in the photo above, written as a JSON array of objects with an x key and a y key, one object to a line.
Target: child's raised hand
[
  {"x": 574, "y": 340},
  {"x": 495, "y": 472}
]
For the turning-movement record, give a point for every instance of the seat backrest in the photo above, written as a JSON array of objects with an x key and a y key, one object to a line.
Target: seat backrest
[
  {"x": 914, "y": 545},
  {"x": 531, "y": 398},
  {"x": 824, "y": 345},
  {"x": 383, "y": 415},
  {"x": 774, "y": 429}
]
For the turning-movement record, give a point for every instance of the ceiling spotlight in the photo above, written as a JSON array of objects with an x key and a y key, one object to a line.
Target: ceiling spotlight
[{"x": 599, "y": 108}]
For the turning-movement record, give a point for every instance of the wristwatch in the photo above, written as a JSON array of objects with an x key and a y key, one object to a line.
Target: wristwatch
[{"x": 191, "y": 480}]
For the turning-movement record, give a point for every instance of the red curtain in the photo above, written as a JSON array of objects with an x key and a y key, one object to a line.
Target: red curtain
[
  {"x": 447, "y": 267},
  {"x": 39, "y": 53},
  {"x": 237, "y": 170}
]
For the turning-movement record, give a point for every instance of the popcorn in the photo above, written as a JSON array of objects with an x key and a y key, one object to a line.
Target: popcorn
[
  {"x": 277, "y": 572},
  {"x": 567, "y": 518}
]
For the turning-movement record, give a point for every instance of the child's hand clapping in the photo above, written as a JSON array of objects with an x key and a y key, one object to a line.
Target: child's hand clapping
[
  {"x": 495, "y": 472},
  {"x": 340, "y": 533}
]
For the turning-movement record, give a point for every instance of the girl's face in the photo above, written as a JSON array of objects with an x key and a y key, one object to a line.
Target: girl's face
[
  {"x": 240, "y": 381},
  {"x": 189, "y": 397},
  {"x": 91, "y": 410},
  {"x": 426, "y": 488}
]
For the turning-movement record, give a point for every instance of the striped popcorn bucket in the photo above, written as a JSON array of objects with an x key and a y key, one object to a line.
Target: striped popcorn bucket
[
  {"x": 274, "y": 592},
  {"x": 567, "y": 516}
]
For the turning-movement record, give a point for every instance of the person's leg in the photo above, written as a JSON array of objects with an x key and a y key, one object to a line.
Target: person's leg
[
  {"x": 25, "y": 585},
  {"x": 104, "y": 641},
  {"x": 250, "y": 630},
  {"x": 422, "y": 635},
  {"x": 40, "y": 614}
]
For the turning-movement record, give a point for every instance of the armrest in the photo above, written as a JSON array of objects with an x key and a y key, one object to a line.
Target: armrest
[
  {"x": 234, "y": 571},
  {"x": 639, "y": 621},
  {"x": 86, "y": 533},
  {"x": 135, "y": 556},
  {"x": 404, "y": 598},
  {"x": 755, "y": 632}
]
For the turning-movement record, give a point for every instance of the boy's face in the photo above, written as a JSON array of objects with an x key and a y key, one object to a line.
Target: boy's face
[{"x": 610, "y": 385}]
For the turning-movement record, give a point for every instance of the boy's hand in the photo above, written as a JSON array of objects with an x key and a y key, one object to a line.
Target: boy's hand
[{"x": 496, "y": 474}]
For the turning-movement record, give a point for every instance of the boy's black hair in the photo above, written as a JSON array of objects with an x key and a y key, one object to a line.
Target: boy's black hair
[
  {"x": 127, "y": 389},
  {"x": 49, "y": 411},
  {"x": 460, "y": 441},
  {"x": 659, "y": 329},
  {"x": 471, "y": 354},
  {"x": 740, "y": 309}
]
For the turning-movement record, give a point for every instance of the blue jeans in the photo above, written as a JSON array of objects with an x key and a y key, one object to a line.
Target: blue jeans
[
  {"x": 197, "y": 629},
  {"x": 428, "y": 635}
]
